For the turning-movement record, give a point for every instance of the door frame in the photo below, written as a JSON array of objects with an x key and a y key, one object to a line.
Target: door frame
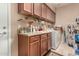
[{"x": 9, "y": 24}]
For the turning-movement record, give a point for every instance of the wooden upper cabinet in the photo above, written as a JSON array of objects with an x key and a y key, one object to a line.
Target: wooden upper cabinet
[
  {"x": 37, "y": 9},
  {"x": 25, "y": 8},
  {"x": 44, "y": 11},
  {"x": 50, "y": 15},
  {"x": 28, "y": 7}
]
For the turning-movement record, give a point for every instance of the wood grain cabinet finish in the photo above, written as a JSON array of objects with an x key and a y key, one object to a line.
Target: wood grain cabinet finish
[
  {"x": 37, "y": 45},
  {"x": 49, "y": 41},
  {"x": 44, "y": 44},
  {"x": 50, "y": 15},
  {"x": 44, "y": 11},
  {"x": 23, "y": 45},
  {"x": 34, "y": 38},
  {"x": 34, "y": 48},
  {"x": 37, "y": 9},
  {"x": 25, "y": 8},
  {"x": 28, "y": 46}
]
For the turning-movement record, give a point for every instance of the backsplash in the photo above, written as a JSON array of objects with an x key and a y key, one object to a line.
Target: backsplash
[{"x": 31, "y": 24}]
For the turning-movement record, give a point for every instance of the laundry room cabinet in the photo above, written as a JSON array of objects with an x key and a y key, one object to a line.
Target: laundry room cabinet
[
  {"x": 44, "y": 11},
  {"x": 44, "y": 44},
  {"x": 25, "y": 8},
  {"x": 49, "y": 41},
  {"x": 50, "y": 15},
  {"x": 35, "y": 45},
  {"x": 39, "y": 11}
]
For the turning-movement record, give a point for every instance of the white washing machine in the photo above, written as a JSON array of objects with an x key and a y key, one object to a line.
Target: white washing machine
[{"x": 56, "y": 38}]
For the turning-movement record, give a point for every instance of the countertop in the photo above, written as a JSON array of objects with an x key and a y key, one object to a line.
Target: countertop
[{"x": 36, "y": 33}]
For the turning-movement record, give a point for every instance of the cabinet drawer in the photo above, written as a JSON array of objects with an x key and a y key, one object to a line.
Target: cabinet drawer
[
  {"x": 34, "y": 38},
  {"x": 43, "y": 36}
]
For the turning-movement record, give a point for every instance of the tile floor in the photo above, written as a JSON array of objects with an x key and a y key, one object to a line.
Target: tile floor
[{"x": 53, "y": 54}]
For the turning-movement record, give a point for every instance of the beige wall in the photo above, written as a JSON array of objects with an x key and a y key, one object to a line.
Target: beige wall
[
  {"x": 14, "y": 25},
  {"x": 66, "y": 15}
]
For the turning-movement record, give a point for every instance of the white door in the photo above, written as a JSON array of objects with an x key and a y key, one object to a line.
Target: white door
[{"x": 4, "y": 35}]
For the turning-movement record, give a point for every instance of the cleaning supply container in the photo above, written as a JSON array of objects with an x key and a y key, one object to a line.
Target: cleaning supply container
[{"x": 77, "y": 44}]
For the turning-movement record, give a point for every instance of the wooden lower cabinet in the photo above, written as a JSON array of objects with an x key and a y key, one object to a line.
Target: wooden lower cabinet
[
  {"x": 23, "y": 45},
  {"x": 34, "y": 49},
  {"x": 44, "y": 46},
  {"x": 49, "y": 41},
  {"x": 33, "y": 45}
]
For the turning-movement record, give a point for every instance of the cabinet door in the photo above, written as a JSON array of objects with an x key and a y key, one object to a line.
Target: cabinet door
[
  {"x": 37, "y": 9},
  {"x": 49, "y": 41},
  {"x": 50, "y": 15},
  {"x": 22, "y": 45},
  {"x": 34, "y": 49},
  {"x": 28, "y": 7},
  {"x": 54, "y": 16},
  {"x": 25, "y": 8},
  {"x": 44, "y": 46},
  {"x": 44, "y": 11}
]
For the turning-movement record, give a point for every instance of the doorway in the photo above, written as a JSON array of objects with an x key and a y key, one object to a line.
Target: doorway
[{"x": 4, "y": 29}]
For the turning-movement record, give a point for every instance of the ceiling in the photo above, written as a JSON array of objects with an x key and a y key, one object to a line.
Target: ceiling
[{"x": 57, "y": 5}]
